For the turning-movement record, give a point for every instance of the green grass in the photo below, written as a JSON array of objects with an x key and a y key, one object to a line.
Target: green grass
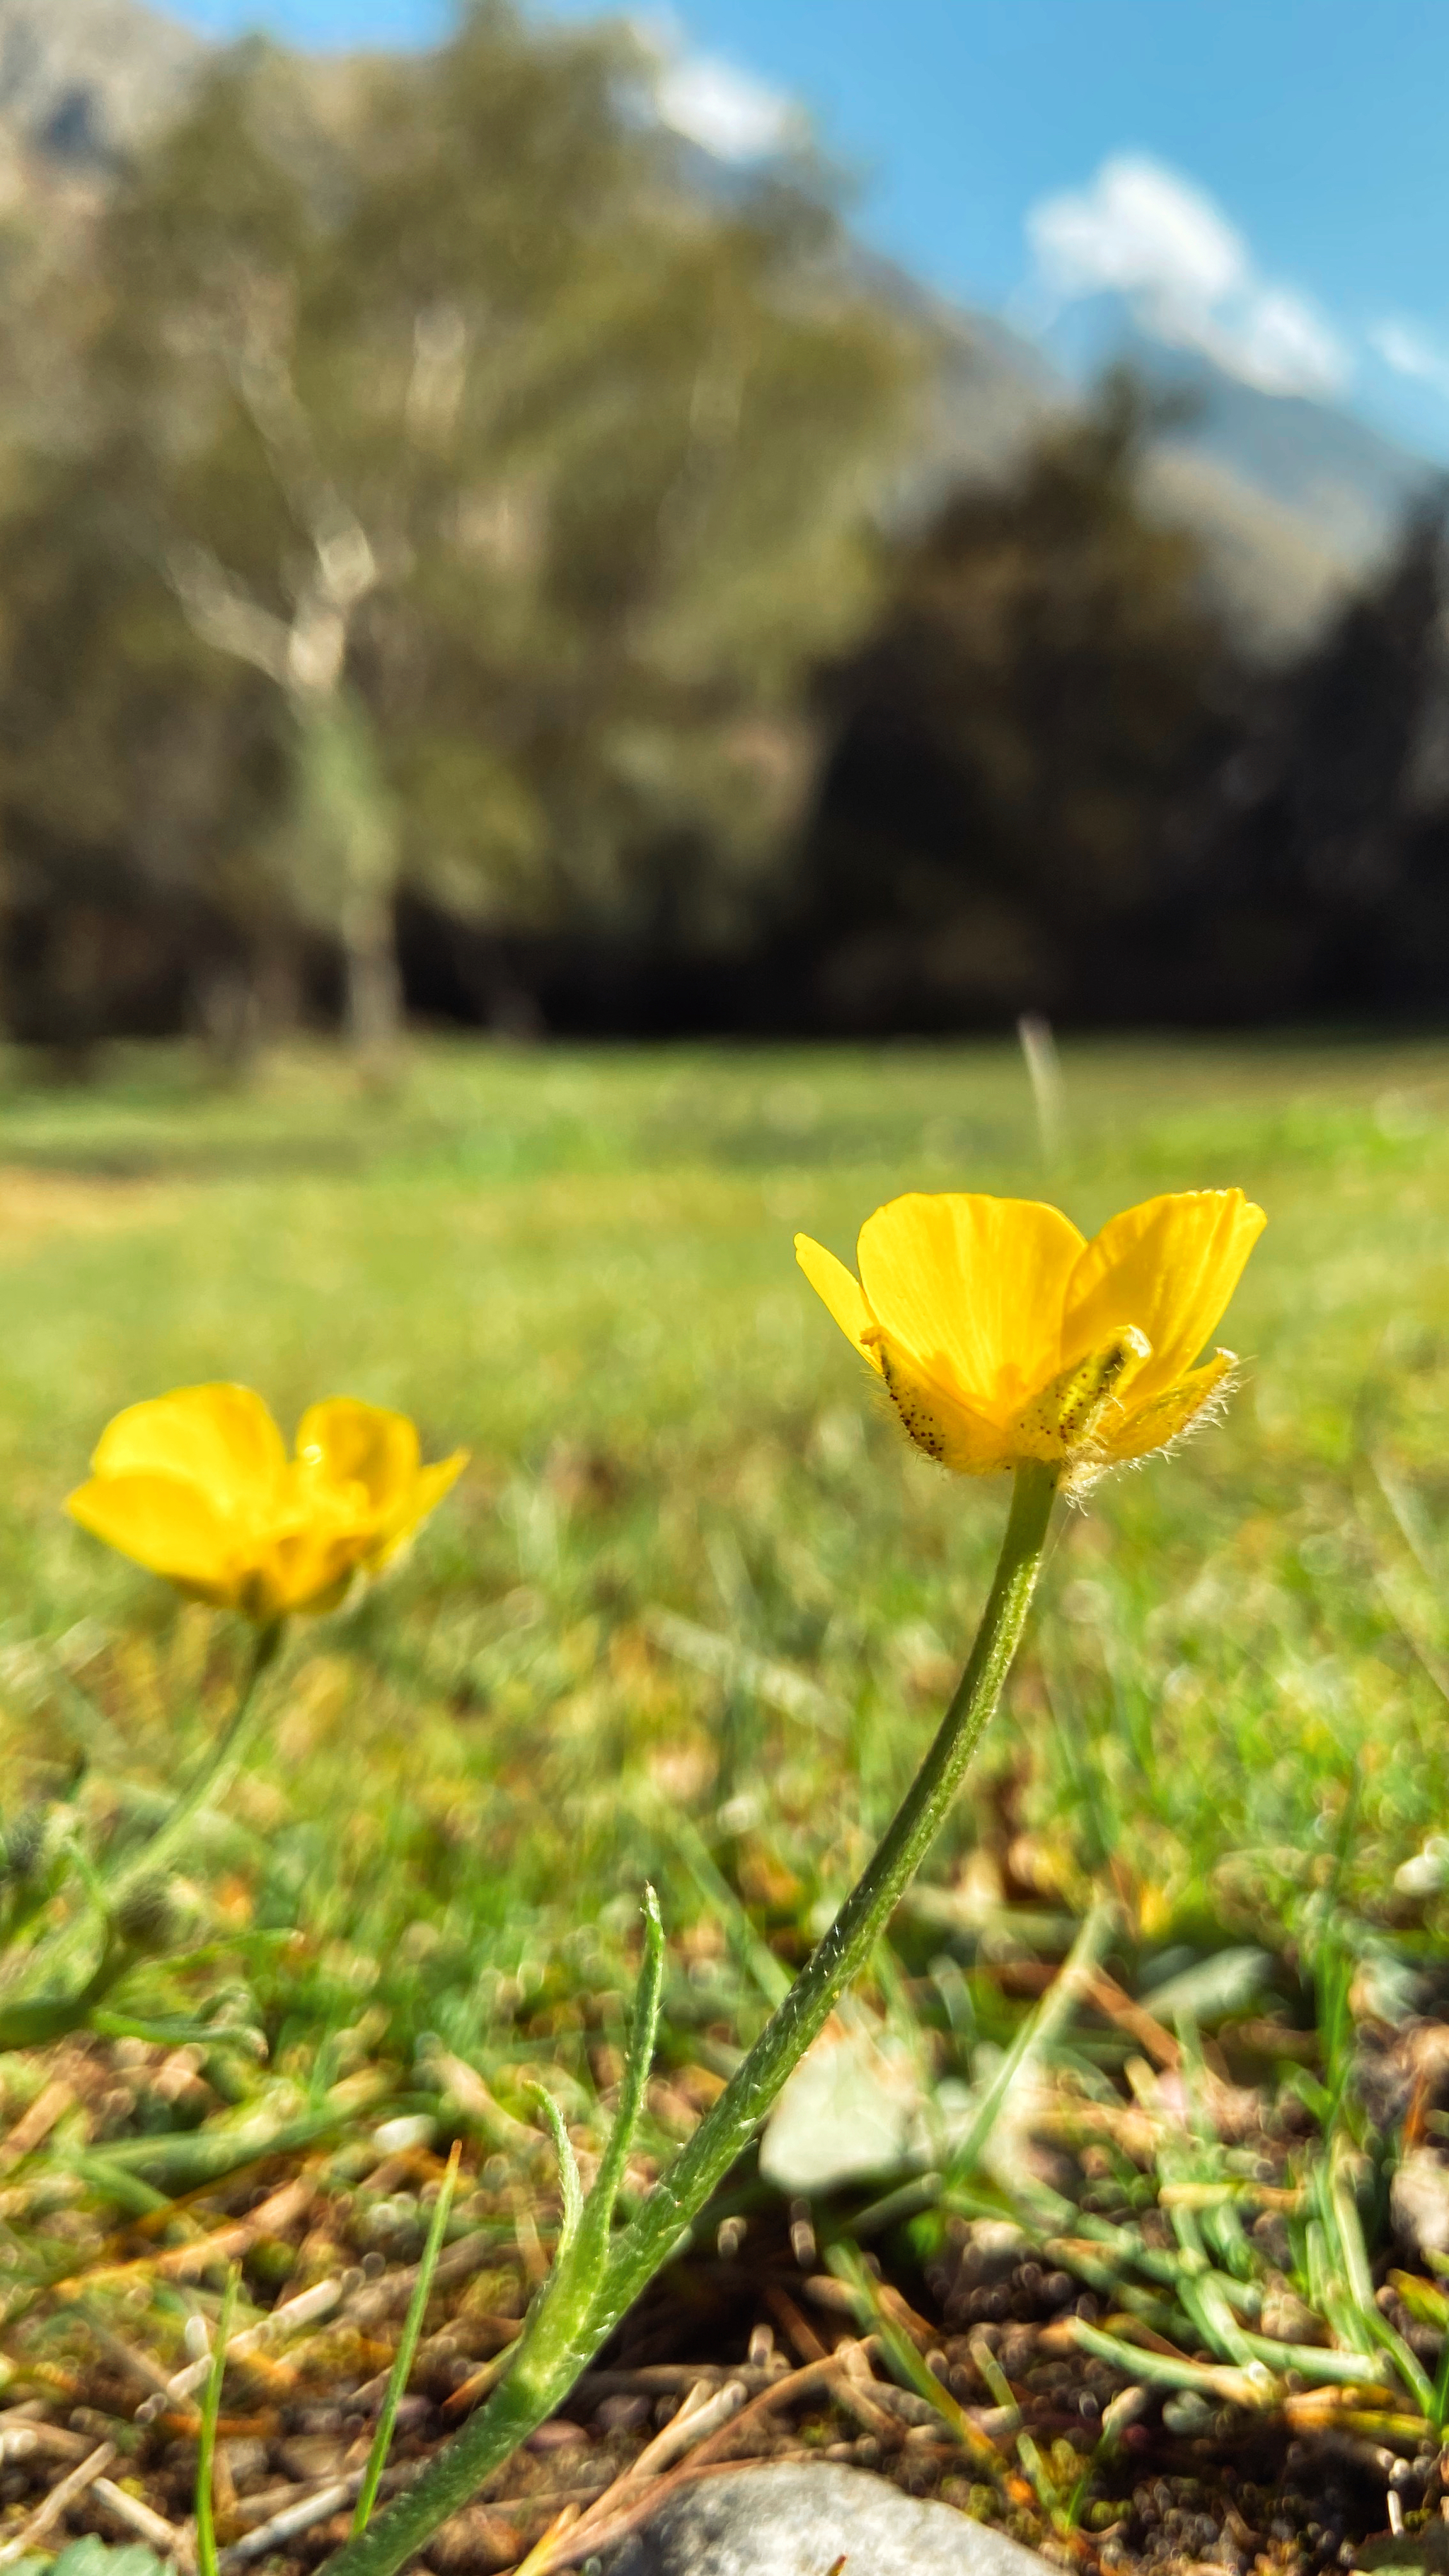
[{"x": 580, "y": 1266}]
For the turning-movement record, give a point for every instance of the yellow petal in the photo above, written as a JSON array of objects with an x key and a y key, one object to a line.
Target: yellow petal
[
  {"x": 433, "y": 1483},
  {"x": 220, "y": 1438},
  {"x": 361, "y": 1444},
  {"x": 938, "y": 1419},
  {"x": 975, "y": 1288},
  {"x": 1168, "y": 1267},
  {"x": 841, "y": 1292},
  {"x": 412, "y": 1508},
  {"x": 1165, "y": 1417},
  {"x": 166, "y": 1524}
]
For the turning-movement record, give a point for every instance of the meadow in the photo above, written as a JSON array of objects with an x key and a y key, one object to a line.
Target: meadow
[
  {"x": 693, "y": 1609},
  {"x": 580, "y": 1266}
]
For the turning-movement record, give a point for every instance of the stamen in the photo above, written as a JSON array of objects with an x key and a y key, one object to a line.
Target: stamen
[
  {"x": 914, "y": 1417},
  {"x": 1066, "y": 1415}
]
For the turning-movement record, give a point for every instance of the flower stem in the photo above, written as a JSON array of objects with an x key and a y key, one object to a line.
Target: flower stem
[
  {"x": 215, "y": 1776},
  {"x": 31, "y": 2020},
  {"x": 552, "y": 2351},
  {"x": 847, "y": 1946}
]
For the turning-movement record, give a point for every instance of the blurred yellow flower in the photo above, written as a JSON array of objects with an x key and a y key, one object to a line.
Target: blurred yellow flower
[
  {"x": 198, "y": 1486},
  {"x": 1002, "y": 1335}
]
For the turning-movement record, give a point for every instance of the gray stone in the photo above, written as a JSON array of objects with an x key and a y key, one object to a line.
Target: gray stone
[
  {"x": 849, "y": 2111},
  {"x": 856, "y": 2109},
  {"x": 797, "y": 2521}
]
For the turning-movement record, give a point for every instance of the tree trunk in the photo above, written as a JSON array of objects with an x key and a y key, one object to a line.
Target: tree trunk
[
  {"x": 226, "y": 1014},
  {"x": 278, "y": 972},
  {"x": 372, "y": 993},
  {"x": 347, "y": 850}
]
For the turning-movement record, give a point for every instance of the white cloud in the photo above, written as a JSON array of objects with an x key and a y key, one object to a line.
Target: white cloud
[
  {"x": 730, "y": 112},
  {"x": 1411, "y": 352},
  {"x": 1142, "y": 231}
]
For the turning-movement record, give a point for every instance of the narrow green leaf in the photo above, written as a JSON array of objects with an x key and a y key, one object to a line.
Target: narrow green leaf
[
  {"x": 561, "y": 2312},
  {"x": 1367, "y": 2327},
  {"x": 1036, "y": 2033},
  {"x": 1256, "y": 2388},
  {"x": 910, "y": 2370},
  {"x": 206, "y": 2446},
  {"x": 571, "y": 2191},
  {"x": 397, "y": 2378},
  {"x": 592, "y": 2243},
  {"x": 1047, "y": 2495},
  {"x": 772, "y": 1978}
]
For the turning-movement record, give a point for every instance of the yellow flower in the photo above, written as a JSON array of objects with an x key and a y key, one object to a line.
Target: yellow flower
[
  {"x": 1002, "y": 1335},
  {"x": 198, "y": 1486}
]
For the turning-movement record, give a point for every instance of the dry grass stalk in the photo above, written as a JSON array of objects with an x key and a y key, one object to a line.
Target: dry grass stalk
[
  {"x": 164, "y": 2537},
  {"x": 48, "y": 2513}
]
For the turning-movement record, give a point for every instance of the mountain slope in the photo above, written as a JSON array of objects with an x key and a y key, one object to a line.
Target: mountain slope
[
  {"x": 1272, "y": 573},
  {"x": 1275, "y": 570},
  {"x": 1334, "y": 471},
  {"x": 1347, "y": 481}
]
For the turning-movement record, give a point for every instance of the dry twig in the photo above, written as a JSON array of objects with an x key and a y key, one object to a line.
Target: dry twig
[{"x": 49, "y": 2512}]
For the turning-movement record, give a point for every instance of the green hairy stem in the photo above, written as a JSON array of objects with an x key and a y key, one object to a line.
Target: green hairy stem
[
  {"x": 599, "y": 2278},
  {"x": 30, "y": 2020},
  {"x": 216, "y": 1774}
]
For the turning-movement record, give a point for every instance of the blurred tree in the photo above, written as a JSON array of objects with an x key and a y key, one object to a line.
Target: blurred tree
[
  {"x": 648, "y": 422},
  {"x": 521, "y": 471},
  {"x": 139, "y": 775},
  {"x": 1320, "y": 873},
  {"x": 1011, "y": 747}
]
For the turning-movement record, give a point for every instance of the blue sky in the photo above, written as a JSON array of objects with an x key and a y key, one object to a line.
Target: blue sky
[{"x": 1262, "y": 178}]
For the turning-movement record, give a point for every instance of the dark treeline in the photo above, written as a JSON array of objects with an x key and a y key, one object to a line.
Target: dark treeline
[
  {"x": 444, "y": 563},
  {"x": 1054, "y": 782}
]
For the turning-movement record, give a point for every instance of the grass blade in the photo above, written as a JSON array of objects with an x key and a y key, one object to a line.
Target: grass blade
[
  {"x": 753, "y": 1953},
  {"x": 1044, "y": 2484},
  {"x": 872, "y": 2317},
  {"x": 1255, "y": 2389},
  {"x": 206, "y": 2445},
  {"x": 1358, "y": 2274},
  {"x": 1037, "y": 2032},
  {"x": 397, "y": 2378}
]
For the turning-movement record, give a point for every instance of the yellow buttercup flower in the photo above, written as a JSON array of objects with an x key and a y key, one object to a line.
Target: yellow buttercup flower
[
  {"x": 198, "y": 1486},
  {"x": 1003, "y": 1335}
]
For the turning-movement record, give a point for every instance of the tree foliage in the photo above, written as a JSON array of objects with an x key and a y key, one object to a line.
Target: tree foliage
[
  {"x": 1011, "y": 743},
  {"x": 448, "y": 498},
  {"x": 430, "y": 497}
]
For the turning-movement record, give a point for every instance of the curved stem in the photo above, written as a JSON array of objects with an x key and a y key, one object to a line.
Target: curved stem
[
  {"x": 552, "y": 2352},
  {"x": 215, "y": 1776},
  {"x": 29, "y": 2020},
  {"x": 702, "y": 2164}
]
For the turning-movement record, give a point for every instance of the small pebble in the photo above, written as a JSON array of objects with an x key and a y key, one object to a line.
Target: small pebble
[
  {"x": 395, "y": 2137},
  {"x": 560, "y": 2435},
  {"x": 621, "y": 2414}
]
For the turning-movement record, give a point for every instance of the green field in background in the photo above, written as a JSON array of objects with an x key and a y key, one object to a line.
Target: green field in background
[{"x": 696, "y": 1603}]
